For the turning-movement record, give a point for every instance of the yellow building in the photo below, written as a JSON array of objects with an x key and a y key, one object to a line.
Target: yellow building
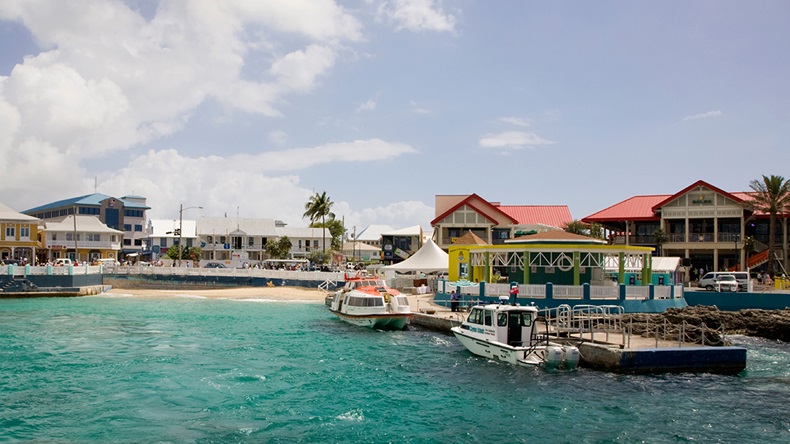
[{"x": 19, "y": 238}]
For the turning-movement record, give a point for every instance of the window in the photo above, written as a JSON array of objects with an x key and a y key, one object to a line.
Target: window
[
  {"x": 10, "y": 232},
  {"x": 223, "y": 240},
  {"x": 24, "y": 232},
  {"x": 88, "y": 211},
  {"x": 501, "y": 320},
  {"x": 209, "y": 239},
  {"x": 488, "y": 318},
  {"x": 163, "y": 242},
  {"x": 138, "y": 242},
  {"x": 138, "y": 228},
  {"x": 250, "y": 241},
  {"x": 133, "y": 213},
  {"x": 70, "y": 236},
  {"x": 54, "y": 236},
  {"x": 127, "y": 242},
  {"x": 127, "y": 227},
  {"x": 92, "y": 237},
  {"x": 475, "y": 317},
  {"x": 315, "y": 244}
]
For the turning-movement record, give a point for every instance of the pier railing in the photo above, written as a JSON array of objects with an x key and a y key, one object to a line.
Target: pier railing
[{"x": 605, "y": 323}]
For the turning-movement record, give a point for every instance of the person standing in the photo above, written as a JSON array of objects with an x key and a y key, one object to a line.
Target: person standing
[{"x": 454, "y": 301}]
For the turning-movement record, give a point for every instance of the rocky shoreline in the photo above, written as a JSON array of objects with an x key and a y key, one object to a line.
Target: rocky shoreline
[{"x": 768, "y": 324}]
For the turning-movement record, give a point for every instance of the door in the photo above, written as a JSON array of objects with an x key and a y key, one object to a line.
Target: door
[{"x": 514, "y": 328}]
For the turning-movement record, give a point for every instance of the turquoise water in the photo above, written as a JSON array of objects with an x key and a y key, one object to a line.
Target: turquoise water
[{"x": 122, "y": 369}]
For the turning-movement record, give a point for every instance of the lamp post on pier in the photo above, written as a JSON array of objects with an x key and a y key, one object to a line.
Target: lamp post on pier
[{"x": 180, "y": 229}]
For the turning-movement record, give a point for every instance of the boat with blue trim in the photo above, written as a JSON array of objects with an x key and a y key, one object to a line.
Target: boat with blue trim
[{"x": 509, "y": 333}]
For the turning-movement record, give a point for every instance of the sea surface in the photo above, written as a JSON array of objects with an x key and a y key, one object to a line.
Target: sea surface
[{"x": 142, "y": 370}]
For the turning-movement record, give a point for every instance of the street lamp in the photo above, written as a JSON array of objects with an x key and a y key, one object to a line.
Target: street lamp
[{"x": 180, "y": 228}]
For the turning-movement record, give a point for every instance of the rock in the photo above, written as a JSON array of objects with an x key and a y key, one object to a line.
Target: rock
[{"x": 768, "y": 324}]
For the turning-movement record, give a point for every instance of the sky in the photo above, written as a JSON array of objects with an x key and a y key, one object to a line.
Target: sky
[{"x": 248, "y": 107}]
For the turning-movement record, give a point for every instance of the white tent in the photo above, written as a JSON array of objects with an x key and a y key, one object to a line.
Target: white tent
[{"x": 427, "y": 259}]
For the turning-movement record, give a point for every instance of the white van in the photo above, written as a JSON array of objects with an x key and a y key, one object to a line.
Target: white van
[
  {"x": 107, "y": 262},
  {"x": 708, "y": 281},
  {"x": 62, "y": 262}
]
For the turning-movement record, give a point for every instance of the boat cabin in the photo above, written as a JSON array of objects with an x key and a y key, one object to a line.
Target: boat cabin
[{"x": 508, "y": 324}]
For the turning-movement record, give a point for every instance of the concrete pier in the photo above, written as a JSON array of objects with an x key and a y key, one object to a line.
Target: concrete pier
[{"x": 613, "y": 352}]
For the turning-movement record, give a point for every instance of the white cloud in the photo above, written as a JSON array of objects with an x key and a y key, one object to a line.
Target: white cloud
[
  {"x": 417, "y": 15},
  {"x": 369, "y": 105},
  {"x": 716, "y": 113},
  {"x": 512, "y": 140},
  {"x": 278, "y": 137},
  {"x": 258, "y": 183},
  {"x": 418, "y": 109},
  {"x": 517, "y": 121}
]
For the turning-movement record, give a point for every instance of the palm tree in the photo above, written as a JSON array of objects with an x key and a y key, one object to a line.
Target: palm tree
[
  {"x": 319, "y": 207},
  {"x": 771, "y": 195}
]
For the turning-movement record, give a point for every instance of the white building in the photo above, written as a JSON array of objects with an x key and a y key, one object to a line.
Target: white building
[
  {"x": 164, "y": 233},
  {"x": 244, "y": 239},
  {"x": 87, "y": 235}
]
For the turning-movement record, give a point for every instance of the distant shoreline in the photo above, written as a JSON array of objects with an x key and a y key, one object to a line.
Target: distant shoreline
[{"x": 273, "y": 293}]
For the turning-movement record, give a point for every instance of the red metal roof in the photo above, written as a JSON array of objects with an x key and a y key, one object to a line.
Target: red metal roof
[
  {"x": 553, "y": 215},
  {"x": 633, "y": 208}
]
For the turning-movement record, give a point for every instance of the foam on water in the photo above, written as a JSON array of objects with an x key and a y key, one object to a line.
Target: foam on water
[{"x": 207, "y": 370}]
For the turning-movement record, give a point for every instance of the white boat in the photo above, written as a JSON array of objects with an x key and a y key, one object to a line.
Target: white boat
[
  {"x": 368, "y": 302},
  {"x": 508, "y": 333}
]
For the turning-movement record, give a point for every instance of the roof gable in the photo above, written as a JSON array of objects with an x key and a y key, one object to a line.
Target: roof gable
[
  {"x": 470, "y": 238},
  {"x": 482, "y": 207},
  {"x": 690, "y": 188}
]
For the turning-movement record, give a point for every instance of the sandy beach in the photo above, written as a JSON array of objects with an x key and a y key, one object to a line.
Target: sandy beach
[
  {"x": 416, "y": 302},
  {"x": 273, "y": 293}
]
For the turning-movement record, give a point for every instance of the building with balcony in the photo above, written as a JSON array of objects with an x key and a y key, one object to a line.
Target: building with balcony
[
  {"x": 701, "y": 223},
  {"x": 491, "y": 221},
  {"x": 81, "y": 239},
  {"x": 19, "y": 236},
  {"x": 126, "y": 214},
  {"x": 244, "y": 240}
]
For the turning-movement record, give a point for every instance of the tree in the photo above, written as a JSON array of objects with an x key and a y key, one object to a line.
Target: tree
[
  {"x": 660, "y": 238},
  {"x": 319, "y": 207},
  {"x": 576, "y": 227},
  {"x": 771, "y": 195},
  {"x": 596, "y": 230},
  {"x": 188, "y": 253},
  {"x": 279, "y": 249}
]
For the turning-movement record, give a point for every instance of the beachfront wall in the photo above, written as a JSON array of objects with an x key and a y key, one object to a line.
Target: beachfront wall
[
  {"x": 739, "y": 301},
  {"x": 633, "y": 299},
  {"x": 541, "y": 263}
]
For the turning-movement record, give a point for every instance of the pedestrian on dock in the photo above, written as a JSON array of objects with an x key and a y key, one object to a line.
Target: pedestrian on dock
[{"x": 454, "y": 301}]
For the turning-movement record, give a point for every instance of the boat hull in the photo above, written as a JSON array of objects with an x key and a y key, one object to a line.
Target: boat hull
[
  {"x": 388, "y": 321},
  {"x": 547, "y": 356}
]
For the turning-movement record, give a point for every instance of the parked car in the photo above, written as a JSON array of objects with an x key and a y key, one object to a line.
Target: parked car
[
  {"x": 726, "y": 282},
  {"x": 63, "y": 262},
  {"x": 214, "y": 265}
]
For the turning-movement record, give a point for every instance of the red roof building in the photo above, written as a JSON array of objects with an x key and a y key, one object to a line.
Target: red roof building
[
  {"x": 491, "y": 221},
  {"x": 701, "y": 223}
]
